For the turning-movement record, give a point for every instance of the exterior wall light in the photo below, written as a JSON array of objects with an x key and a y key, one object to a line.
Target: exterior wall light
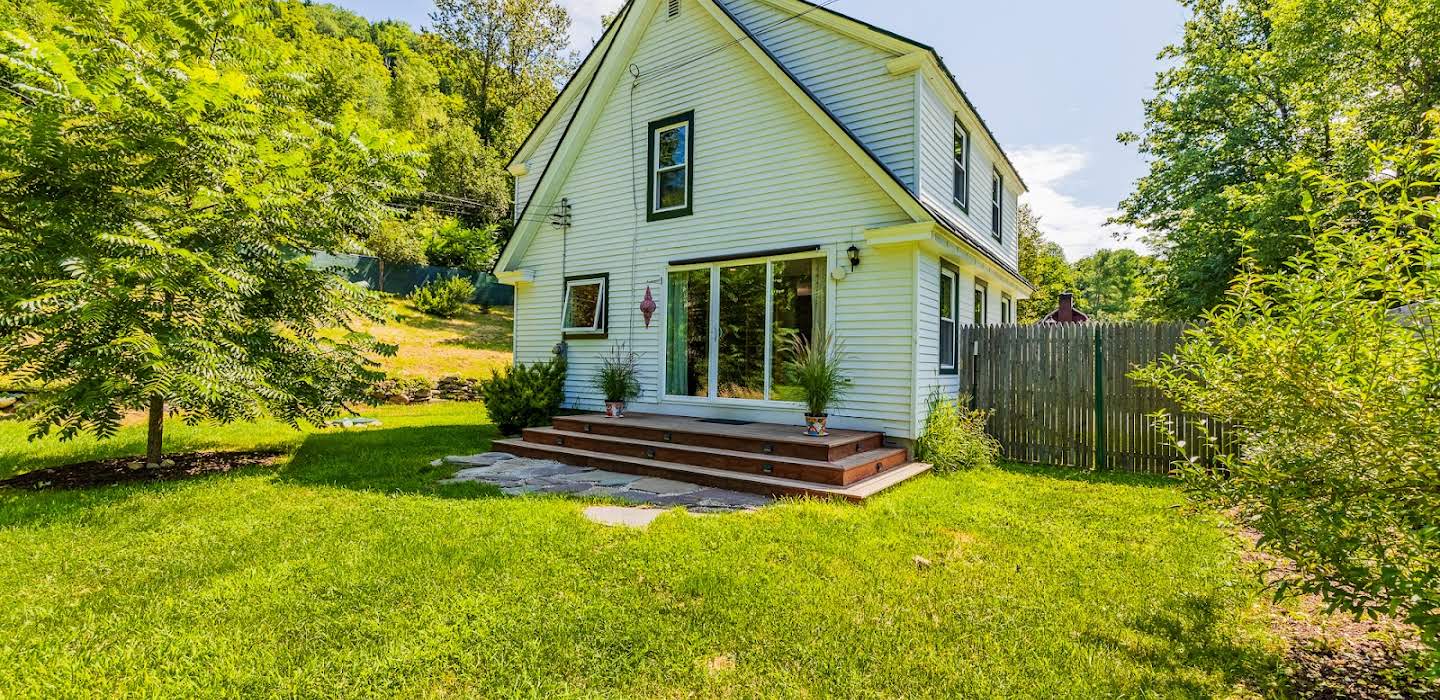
[{"x": 854, "y": 254}]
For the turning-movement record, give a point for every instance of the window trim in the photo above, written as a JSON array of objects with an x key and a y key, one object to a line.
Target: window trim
[
  {"x": 960, "y": 168},
  {"x": 652, "y": 168},
  {"x": 954, "y": 274},
  {"x": 1007, "y": 308},
  {"x": 997, "y": 202},
  {"x": 982, "y": 288},
  {"x": 602, "y": 327}
]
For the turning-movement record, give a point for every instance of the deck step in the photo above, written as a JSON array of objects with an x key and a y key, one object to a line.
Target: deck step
[
  {"x": 762, "y": 438},
  {"x": 843, "y": 472},
  {"x": 708, "y": 476}
]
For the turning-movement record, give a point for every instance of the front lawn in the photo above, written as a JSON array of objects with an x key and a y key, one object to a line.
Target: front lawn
[{"x": 346, "y": 573}]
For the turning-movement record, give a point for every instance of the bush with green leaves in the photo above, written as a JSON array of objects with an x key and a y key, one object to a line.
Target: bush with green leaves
[
  {"x": 160, "y": 182},
  {"x": 523, "y": 396},
  {"x": 445, "y": 297},
  {"x": 453, "y": 244},
  {"x": 954, "y": 437},
  {"x": 1330, "y": 369}
]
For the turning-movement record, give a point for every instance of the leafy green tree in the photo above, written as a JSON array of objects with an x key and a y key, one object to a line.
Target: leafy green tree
[
  {"x": 1253, "y": 84},
  {"x": 1043, "y": 263},
  {"x": 161, "y": 180},
  {"x": 452, "y": 244},
  {"x": 398, "y": 240},
  {"x": 1330, "y": 368},
  {"x": 1113, "y": 285}
]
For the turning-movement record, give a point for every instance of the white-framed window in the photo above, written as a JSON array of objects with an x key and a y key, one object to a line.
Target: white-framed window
[
  {"x": 961, "y": 191},
  {"x": 1006, "y": 304},
  {"x": 584, "y": 311},
  {"x": 671, "y": 167},
  {"x": 997, "y": 195},
  {"x": 982, "y": 300},
  {"x": 949, "y": 326}
]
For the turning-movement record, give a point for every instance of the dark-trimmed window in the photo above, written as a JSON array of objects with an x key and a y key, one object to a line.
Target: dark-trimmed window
[
  {"x": 585, "y": 312},
  {"x": 982, "y": 300},
  {"x": 949, "y": 323},
  {"x": 997, "y": 195},
  {"x": 962, "y": 167},
  {"x": 672, "y": 166},
  {"x": 1007, "y": 306}
]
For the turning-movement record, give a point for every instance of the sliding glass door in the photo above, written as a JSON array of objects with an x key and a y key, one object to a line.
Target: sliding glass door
[{"x": 730, "y": 325}]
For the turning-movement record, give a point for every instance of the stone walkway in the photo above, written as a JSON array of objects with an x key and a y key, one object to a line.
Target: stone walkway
[{"x": 518, "y": 475}]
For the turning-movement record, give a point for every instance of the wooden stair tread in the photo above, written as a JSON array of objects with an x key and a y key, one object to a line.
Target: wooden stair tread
[
  {"x": 856, "y": 491},
  {"x": 767, "y": 432},
  {"x": 849, "y": 462}
]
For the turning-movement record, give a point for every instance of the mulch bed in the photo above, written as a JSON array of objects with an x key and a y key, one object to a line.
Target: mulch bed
[{"x": 122, "y": 470}]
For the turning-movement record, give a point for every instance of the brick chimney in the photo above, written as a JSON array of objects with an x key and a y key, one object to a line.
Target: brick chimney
[{"x": 1066, "y": 312}]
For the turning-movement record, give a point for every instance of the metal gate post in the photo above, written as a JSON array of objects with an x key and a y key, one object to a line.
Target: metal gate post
[{"x": 1100, "y": 455}]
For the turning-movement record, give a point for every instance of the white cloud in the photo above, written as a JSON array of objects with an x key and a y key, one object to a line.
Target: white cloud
[
  {"x": 585, "y": 27},
  {"x": 1078, "y": 227}
]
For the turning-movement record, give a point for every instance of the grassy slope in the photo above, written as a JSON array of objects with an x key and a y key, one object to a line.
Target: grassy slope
[
  {"x": 470, "y": 345},
  {"x": 347, "y": 573}
]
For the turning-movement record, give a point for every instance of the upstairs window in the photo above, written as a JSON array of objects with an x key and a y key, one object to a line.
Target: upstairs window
[
  {"x": 671, "y": 167},
  {"x": 962, "y": 167},
  {"x": 949, "y": 307},
  {"x": 584, "y": 314},
  {"x": 997, "y": 195}
]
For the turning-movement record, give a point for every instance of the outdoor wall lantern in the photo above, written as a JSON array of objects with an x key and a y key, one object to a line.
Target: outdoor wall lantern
[{"x": 854, "y": 254}]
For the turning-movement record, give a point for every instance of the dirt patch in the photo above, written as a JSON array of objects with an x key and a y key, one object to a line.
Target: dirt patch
[
  {"x": 125, "y": 470},
  {"x": 1336, "y": 656}
]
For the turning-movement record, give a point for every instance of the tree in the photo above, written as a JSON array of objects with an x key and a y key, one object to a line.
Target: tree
[
  {"x": 1043, "y": 263},
  {"x": 399, "y": 240},
  {"x": 1253, "y": 84},
  {"x": 162, "y": 183},
  {"x": 452, "y": 244},
  {"x": 1330, "y": 369},
  {"x": 1113, "y": 285}
]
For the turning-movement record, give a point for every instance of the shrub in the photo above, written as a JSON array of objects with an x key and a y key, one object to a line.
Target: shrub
[
  {"x": 444, "y": 297},
  {"x": 954, "y": 437},
  {"x": 524, "y": 397},
  {"x": 1330, "y": 370},
  {"x": 616, "y": 377}
]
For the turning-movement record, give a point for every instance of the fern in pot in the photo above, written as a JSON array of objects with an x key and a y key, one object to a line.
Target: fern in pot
[
  {"x": 814, "y": 368},
  {"x": 617, "y": 379}
]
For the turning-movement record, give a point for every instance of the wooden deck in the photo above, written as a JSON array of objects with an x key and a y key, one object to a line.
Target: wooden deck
[{"x": 759, "y": 457}]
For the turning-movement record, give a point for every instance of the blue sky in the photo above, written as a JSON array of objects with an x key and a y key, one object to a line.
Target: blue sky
[{"x": 1054, "y": 79}]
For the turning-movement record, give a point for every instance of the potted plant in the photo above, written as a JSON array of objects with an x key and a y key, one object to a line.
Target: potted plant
[
  {"x": 617, "y": 381},
  {"x": 814, "y": 367}
]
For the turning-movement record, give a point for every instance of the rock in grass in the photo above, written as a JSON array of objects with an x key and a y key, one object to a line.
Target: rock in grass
[{"x": 921, "y": 562}]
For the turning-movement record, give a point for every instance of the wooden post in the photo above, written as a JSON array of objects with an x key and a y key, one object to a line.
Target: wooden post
[{"x": 1099, "y": 399}]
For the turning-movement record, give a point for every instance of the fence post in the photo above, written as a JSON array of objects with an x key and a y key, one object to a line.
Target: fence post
[{"x": 1099, "y": 400}]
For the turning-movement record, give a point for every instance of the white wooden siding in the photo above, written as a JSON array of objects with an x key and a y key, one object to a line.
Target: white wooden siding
[
  {"x": 766, "y": 177},
  {"x": 849, "y": 77},
  {"x": 937, "y": 176},
  {"x": 525, "y": 184}
]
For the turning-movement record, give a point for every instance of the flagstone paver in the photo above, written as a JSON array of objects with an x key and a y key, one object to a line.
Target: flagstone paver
[{"x": 519, "y": 475}]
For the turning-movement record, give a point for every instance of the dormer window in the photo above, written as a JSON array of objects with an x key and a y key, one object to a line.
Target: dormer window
[
  {"x": 961, "y": 192},
  {"x": 671, "y": 167}
]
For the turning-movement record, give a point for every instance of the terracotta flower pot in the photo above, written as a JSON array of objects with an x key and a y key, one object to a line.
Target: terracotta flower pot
[
  {"x": 815, "y": 425},
  {"x": 614, "y": 409}
]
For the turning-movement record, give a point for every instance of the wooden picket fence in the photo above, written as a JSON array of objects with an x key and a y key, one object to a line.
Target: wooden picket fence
[{"x": 1052, "y": 404}]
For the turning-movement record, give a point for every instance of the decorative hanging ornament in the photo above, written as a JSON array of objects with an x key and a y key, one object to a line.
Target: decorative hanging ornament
[{"x": 647, "y": 306}]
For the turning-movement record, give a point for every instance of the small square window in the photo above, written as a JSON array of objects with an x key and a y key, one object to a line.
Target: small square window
[{"x": 585, "y": 312}]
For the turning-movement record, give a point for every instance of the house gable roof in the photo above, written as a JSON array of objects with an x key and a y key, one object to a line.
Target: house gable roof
[{"x": 628, "y": 27}]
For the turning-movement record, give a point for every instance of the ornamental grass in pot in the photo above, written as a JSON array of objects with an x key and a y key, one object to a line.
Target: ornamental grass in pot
[
  {"x": 617, "y": 379},
  {"x": 814, "y": 367}
]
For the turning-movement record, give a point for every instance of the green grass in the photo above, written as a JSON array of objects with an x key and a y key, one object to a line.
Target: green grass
[
  {"x": 346, "y": 573},
  {"x": 470, "y": 345}
]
